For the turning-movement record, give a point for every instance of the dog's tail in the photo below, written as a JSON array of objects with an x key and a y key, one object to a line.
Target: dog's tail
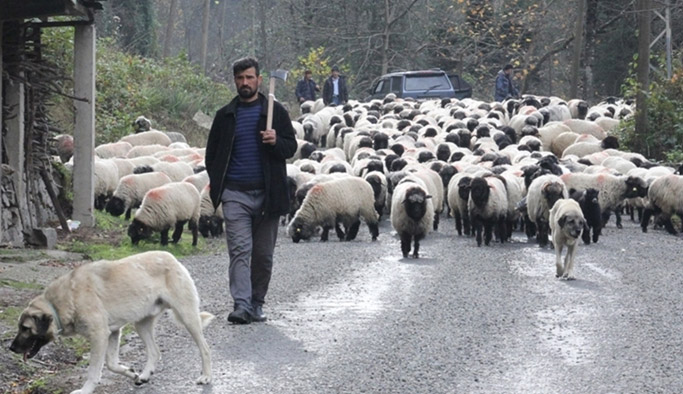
[{"x": 205, "y": 317}]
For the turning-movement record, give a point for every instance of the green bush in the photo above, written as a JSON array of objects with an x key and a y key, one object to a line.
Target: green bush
[
  {"x": 168, "y": 91},
  {"x": 664, "y": 140}
]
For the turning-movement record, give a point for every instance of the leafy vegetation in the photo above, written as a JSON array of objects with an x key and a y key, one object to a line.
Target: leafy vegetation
[
  {"x": 169, "y": 91},
  {"x": 664, "y": 140}
]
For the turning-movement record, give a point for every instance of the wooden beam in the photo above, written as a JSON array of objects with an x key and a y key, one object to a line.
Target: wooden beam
[{"x": 25, "y": 9}]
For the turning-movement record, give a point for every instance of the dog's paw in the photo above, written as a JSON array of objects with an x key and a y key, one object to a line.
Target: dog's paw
[
  {"x": 204, "y": 379},
  {"x": 139, "y": 381}
]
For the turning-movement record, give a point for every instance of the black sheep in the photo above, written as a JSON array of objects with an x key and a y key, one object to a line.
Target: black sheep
[{"x": 588, "y": 200}]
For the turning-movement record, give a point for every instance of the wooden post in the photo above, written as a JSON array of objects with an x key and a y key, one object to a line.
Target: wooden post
[{"x": 84, "y": 130}]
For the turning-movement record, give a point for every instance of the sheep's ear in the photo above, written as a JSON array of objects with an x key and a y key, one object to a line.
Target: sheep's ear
[
  {"x": 562, "y": 221},
  {"x": 428, "y": 196}
]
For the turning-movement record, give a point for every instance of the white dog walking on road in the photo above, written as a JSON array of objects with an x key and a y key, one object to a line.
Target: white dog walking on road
[
  {"x": 566, "y": 225},
  {"x": 97, "y": 299}
]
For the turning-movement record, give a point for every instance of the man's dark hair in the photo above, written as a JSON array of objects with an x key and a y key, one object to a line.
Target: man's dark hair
[
  {"x": 507, "y": 67},
  {"x": 308, "y": 72},
  {"x": 245, "y": 63}
]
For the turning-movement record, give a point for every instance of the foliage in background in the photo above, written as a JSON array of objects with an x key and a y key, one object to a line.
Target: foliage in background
[
  {"x": 665, "y": 118},
  {"x": 168, "y": 91}
]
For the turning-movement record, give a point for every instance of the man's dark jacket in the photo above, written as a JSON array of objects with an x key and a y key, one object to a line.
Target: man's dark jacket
[
  {"x": 219, "y": 147},
  {"x": 306, "y": 89},
  {"x": 328, "y": 90}
]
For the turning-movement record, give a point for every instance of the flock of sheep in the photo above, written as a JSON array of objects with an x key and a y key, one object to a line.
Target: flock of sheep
[{"x": 493, "y": 167}]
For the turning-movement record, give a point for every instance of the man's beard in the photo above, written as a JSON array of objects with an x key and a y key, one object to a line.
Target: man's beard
[{"x": 246, "y": 92}]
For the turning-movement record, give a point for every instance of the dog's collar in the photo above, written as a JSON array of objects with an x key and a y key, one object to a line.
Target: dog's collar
[{"x": 56, "y": 315}]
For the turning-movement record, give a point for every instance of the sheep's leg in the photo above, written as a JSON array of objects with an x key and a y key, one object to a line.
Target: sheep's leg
[
  {"x": 416, "y": 248},
  {"x": 631, "y": 212},
  {"x": 353, "y": 231},
  {"x": 488, "y": 233},
  {"x": 586, "y": 235},
  {"x": 374, "y": 230},
  {"x": 529, "y": 227},
  {"x": 559, "y": 268},
  {"x": 128, "y": 213},
  {"x": 476, "y": 228},
  {"x": 164, "y": 236},
  {"x": 647, "y": 213},
  {"x": 405, "y": 244},
  {"x": 597, "y": 230},
  {"x": 542, "y": 234},
  {"x": 467, "y": 225},
  {"x": 617, "y": 214},
  {"x": 195, "y": 231},
  {"x": 339, "y": 231},
  {"x": 458, "y": 222},
  {"x": 326, "y": 233},
  {"x": 436, "y": 221},
  {"x": 605, "y": 217},
  {"x": 669, "y": 226},
  {"x": 178, "y": 231},
  {"x": 640, "y": 214}
]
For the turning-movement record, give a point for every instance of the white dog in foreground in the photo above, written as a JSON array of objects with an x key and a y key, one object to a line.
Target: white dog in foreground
[
  {"x": 566, "y": 225},
  {"x": 97, "y": 299}
]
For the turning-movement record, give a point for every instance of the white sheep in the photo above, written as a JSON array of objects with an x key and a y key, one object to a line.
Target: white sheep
[
  {"x": 586, "y": 127},
  {"x": 612, "y": 190},
  {"x": 344, "y": 201},
  {"x": 411, "y": 208},
  {"x": 114, "y": 149},
  {"x": 458, "y": 196},
  {"x": 106, "y": 179},
  {"x": 586, "y": 147},
  {"x": 176, "y": 171},
  {"x": 665, "y": 200},
  {"x": 131, "y": 190},
  {"x": 198, "y": 180},
  {"x": 166, "y": 206},
  {"x": 543, "y": 192},
  {"x": 148, "y": 138},
  {"x": 487, "y": 207}
]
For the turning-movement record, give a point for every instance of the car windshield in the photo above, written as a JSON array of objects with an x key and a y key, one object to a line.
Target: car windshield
[{"x": 424, "y": 82}]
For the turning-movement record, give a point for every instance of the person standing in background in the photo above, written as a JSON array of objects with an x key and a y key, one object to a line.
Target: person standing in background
[
  {"x": 306, "y": 88},
  {"x": 334, "y": 90},
  {"x": 505, "y": 89}
]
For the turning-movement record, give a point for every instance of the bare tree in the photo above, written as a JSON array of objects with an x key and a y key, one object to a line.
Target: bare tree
[
  {"x": 644, "y": 8},
  {"x": 169, "y": 27},
  {"x": 205, "y": 33},
  {"x": 578, "y": 47}
]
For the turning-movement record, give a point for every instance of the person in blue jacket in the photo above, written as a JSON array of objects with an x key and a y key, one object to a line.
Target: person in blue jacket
[{"x": 505, "y": 89}]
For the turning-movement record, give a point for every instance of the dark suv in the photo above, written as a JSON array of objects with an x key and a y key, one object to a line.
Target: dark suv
[{"x": 425, "y": 84}]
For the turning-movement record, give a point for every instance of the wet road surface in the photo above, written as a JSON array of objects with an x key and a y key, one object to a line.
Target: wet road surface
[{"x": 357, "y": 318}]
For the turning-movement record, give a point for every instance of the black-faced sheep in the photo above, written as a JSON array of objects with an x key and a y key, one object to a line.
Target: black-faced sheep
[
  {"x": 131, "y": 190},
  {"x": 343, "y": 200},
  {"x": 487, "y": 207},
  {"x": 543, "y": 192},
  {"x": 411, "y": 208},
  {"x": 458, "y": 195},
  {"x": 378, "y": 181},
  {"x": 665, "y": 200},
  {"x": 613, "y": 190},
  {"x": 590, "y": 207},
  {"x": 170, "y": 205}
]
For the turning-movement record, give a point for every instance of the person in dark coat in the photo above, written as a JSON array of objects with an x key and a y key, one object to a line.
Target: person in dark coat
[
  {"x": 334, "y": 90},
  {"x": 247, "y": 173},
  {"x": 306, "y": 88},
  {"x": 505, "y": 89}
]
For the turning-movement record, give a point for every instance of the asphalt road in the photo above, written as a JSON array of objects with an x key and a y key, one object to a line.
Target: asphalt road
[{"x": 357, "y": 318}]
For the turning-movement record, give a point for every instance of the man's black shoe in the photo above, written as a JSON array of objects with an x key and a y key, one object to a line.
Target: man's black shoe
[
  {"x": 240, "y": 316},
  {"x": 258, "y": 315}
]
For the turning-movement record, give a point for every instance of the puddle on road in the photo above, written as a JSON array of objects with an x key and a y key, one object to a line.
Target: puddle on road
[{"x": 320, "y": 319}]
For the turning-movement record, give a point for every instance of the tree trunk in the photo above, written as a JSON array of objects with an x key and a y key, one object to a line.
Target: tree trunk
[
  {"x": 643, "y": 68},
  {"x": 169, "y": 27},
  {"x": 385, "y": 38},
  {"x": 205, "y": 33},
  {"x": 264, "y": 60},
  {"x": 221, "y": 30},
  {"x": 578, "y": 46}
]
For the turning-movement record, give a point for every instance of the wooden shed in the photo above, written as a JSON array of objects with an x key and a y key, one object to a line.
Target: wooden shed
[{"x": 28, "y": 199}]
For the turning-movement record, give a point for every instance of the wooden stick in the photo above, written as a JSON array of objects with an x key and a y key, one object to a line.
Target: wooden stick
[{"x": 271, "y": 97}]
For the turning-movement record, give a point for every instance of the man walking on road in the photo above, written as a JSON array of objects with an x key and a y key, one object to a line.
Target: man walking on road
[{"x": 247, "y": 172}]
